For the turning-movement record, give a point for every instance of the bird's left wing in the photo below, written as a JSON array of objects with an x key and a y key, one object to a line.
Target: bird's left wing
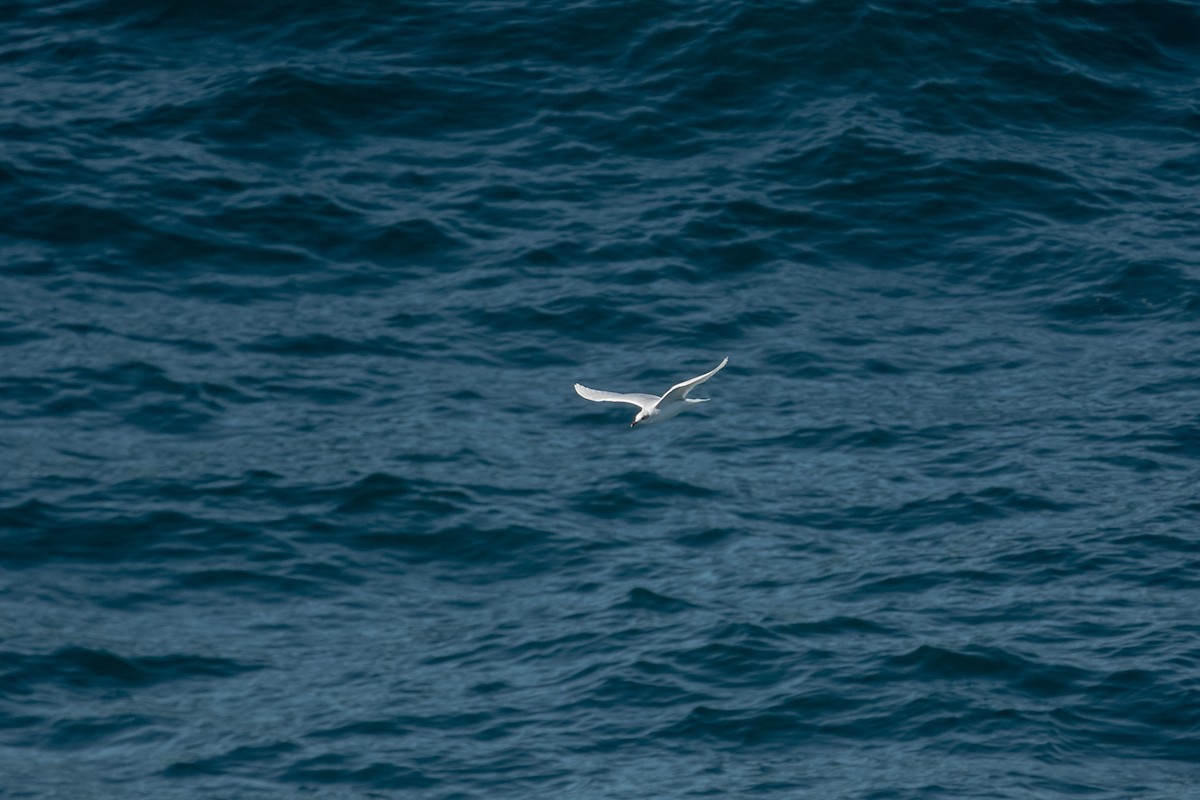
[
  {"x": 639, "y": 400},
  {"x": 680, "y": 390}
]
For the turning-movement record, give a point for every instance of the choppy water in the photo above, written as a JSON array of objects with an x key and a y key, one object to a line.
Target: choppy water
[{"x": 297, "y": 500}]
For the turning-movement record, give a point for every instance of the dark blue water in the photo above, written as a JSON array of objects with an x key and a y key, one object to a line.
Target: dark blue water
[{"x": 296, "y": 499}]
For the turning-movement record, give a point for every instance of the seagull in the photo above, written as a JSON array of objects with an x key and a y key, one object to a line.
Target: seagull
[{"x": 654, "y": 409}]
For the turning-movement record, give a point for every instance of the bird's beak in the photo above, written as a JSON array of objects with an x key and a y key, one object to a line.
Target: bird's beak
[{"x": 633, "y": 423}]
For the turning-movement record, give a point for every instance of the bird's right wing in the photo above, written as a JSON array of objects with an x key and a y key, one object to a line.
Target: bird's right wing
[
  {"x": 639, "y": 400},
  {"x": 680, "y": 390}
]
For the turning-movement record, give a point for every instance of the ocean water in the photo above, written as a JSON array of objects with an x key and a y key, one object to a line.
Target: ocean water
[{"x": 296, "y": 499}]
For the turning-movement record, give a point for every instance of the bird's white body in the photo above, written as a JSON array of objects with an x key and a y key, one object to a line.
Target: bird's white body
[{"x": 652, "y": 408}]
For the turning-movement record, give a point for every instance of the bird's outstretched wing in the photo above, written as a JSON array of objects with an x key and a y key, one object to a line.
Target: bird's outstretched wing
[
  {"x": 680, "y": 390},
  {"x": 640, "y": 400}
]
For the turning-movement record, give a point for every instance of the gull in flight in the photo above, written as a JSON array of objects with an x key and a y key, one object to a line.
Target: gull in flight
[{"x": 654, "y": 409}]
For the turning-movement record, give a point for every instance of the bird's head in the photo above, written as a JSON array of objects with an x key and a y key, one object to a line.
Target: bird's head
[{"x": 641, "y": 415}]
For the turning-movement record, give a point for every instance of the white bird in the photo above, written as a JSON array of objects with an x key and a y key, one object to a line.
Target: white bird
[{"x": 654, "y": 409}]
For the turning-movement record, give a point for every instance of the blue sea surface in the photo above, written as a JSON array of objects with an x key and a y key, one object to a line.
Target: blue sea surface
[{"x": 297, "y": 499}]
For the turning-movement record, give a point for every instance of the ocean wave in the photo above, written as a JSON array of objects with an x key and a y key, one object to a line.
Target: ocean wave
[
  {"x": 295, "y": 497},
  {"x": 86, "y": 670}
]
